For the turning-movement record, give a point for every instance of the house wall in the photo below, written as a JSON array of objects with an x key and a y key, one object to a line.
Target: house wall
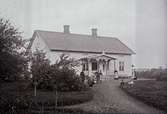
[
  {"x": 39, "y": 44},
  {"x": 54, "y": 55},
  {"x": 125, "y": 58}
]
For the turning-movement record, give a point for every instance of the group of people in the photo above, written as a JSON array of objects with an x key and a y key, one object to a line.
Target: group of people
[{"x": 97, "y": 77}]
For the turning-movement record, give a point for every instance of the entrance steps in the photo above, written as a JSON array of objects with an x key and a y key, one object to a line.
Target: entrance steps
[{"x": 107, "y": 77}]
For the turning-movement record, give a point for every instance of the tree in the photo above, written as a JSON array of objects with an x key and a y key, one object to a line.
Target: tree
[
  {"x": 61, "y": 75},
  {"x": 40, "y": 69},
  {"x": 65, "y": 61},
  {"x": 39, "y": 66},
  {"x": 12, "y": 58}
]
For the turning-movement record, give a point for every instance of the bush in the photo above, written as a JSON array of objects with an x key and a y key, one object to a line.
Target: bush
[
  {"x": 65, "y": 79},
  {"x": 15, "y": 97},
  {"x": 69, "y": 81},
  {"x": 63, "y": 98},
  {"x": 13, "y": 61},
  {"x": 90, "y": 81},
  {"x": 60, "y": 76},
  {"x": 14, "y": 101}
]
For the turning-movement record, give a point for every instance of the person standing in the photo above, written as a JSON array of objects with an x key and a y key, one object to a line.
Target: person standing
[
  {"x": 116, "y": 75},
  {"x": 82, "y": 74},
  {"x": 98, "y": 76}
]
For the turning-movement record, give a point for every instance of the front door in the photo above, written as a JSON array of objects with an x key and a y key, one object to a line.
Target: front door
[{"x": 102, "y": 68}]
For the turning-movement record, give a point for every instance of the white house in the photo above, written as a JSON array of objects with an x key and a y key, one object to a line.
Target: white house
[{"x": 95, "y": 53}]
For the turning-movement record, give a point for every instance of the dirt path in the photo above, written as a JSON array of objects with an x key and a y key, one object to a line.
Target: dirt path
[{"x": 110, "y": 98}]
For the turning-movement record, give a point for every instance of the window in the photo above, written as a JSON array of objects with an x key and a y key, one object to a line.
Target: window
[
  {"x": 103, "y": 67},
  {"x": 121, "y": 66},
  {"x": 94, "y": 65},
  {"x": 108, "y": 65},
  {"x": 85, "y": 67}
]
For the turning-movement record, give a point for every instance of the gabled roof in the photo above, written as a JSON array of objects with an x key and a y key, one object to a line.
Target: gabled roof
[
  {"x": 101, "y": 56},
  {"x": 59, "y": 41}
]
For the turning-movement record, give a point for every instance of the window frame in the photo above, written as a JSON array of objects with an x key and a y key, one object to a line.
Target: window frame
[
  {"x": 108, "y": 65},
  {"x": 121, "y": 66},
  {"x": 94, "y": 68},
  {"x": 85, "y": 66}
]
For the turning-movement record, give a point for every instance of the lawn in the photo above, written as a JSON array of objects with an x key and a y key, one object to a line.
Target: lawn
[
  {"x": 159, "y": 74},
  {"x": 153, "y": 93},
  {"x": 45, "y": 100}
]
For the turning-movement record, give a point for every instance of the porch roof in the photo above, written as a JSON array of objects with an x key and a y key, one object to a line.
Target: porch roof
[{"x": 98, "y": 57}]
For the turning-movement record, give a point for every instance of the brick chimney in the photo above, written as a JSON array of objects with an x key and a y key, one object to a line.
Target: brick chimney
[
  {"x": 66, "y": 28},
  {"x": 94, "y": 32}
]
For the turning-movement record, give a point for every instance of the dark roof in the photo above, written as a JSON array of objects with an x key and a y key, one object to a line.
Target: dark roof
[{"x": 82, "y": 43}]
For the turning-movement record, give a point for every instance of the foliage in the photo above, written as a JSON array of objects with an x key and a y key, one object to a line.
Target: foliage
[
  {"x": 60, "y": 76},
  {"x": 65, "y": 61},
  {"x": 91, "y": 80},
  {"x": 67, "y": 80},
  {"x": 14, "y": 102},
  {"x": 14, "y": 96},
  {"x": 40, "y": 67},
  {"x": 12, "y": 99},
  {"x": 12, "y": 59}
]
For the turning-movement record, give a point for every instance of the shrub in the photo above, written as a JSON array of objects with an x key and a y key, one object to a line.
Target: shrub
[
  {"x": 14, "y": 97},
  {"x": 60, "y": 76},
  {"x": 90, "y": 81},
  {"x": 66, "y": 80},
  {"x": 13, "y": 101},
  {"x": 13, "y": 61}
]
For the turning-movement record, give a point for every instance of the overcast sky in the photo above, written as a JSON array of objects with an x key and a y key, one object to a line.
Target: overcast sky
[{"x": 140, "y": 24}]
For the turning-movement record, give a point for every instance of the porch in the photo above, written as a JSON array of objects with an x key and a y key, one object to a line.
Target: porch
[{"x": 103, "y": 63}]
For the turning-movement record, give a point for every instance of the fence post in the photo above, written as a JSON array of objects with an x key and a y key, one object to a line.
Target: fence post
[
  {"x": 35, "y": 88},
  {"x": 55, "y": 88}
]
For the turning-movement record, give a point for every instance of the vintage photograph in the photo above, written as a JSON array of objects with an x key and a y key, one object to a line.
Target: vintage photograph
[{"x": 83, "y": 56}]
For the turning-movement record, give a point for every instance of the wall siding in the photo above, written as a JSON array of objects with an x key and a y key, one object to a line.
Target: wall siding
[
  {"x": 54, "y": 55},
  {"x": 126, "y": 58}
]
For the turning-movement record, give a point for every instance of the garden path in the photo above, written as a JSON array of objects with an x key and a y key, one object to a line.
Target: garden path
[{"x": 110, "y": 98}]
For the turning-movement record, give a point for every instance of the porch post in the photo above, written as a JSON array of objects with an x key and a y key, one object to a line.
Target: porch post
[
  {"x": 89, "y": 67},
  {"x": 106, "y": 62},
  {"x": 98, "y": 66},
  {"x": 114, "y": 65},
  {"x": 115, "y": 70}
]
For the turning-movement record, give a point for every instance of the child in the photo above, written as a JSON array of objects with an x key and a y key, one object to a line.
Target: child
[{"x": 82, "y": 76}]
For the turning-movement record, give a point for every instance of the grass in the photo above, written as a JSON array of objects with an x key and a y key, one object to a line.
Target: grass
[
  {"x": 153, "y": 93},
  {"x": 63, "y": 98},
  {"x": 159, "y": 74},
  {"x": 58, "y": 111},
  {"x": 45, "y": 99}
]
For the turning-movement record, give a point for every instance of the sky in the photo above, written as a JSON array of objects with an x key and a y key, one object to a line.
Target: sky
[{"x": 140, "y": 24}]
